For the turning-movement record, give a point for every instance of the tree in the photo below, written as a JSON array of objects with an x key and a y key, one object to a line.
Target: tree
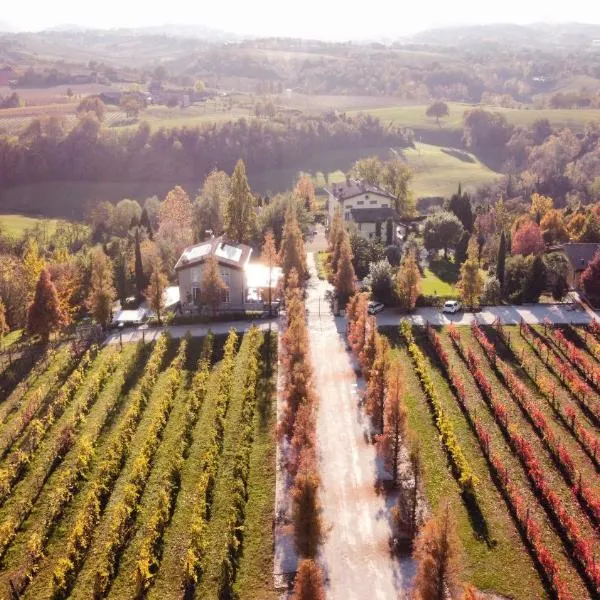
[
  {"x": 395, "y": 178},
  {"x": 528, "y": 239},
  {"x": 3, "y": 324},
  {"x": 175, "y": 229},
  {"x": 540, "y": 206},
  {"x": 554, "y": 229},
  {"x": 501, "y": 261},
  {"x": 368, "y": 169},
  {"x": 132, "y": 104},
  {"x": 269, "y": 257},
  {"x": 102, "y": 292},
  {"x": 515, "y": 278},
  {"x": 437, "y": 110},
  {"x": 33, "y": 264},
  {"x": 460, "y": 205},
  {"x": 460, "y": 254},
  {"x": 492, "y": 292},
  {"x": 442, "y": 230},
  {"x": 394, "y": 421},
  {"x": 239, "y": 210},
  {"x": 306, "y": 509},
  {"x": 407, "y": 282},
  {"x": 345, "y": 276},
  {"x": 376, "y": 386},
  {"x": 213, "y": 286},
  {"x": 389, "y": 232},
  {"x": 146, "y": 223},
  {"x": 590, "y": 280},
  {"x": 210, "y": 204},
  {"x": 381, "y": 281},
  {"x": 305, "y": 191},
  {"x": 92, "y": 104},
  {"x": 557, "y": 273},
  {"x": 44, "y": 316},
  {"x": 336, "y": 224},
  {"x": 66, "y": 276},
  {"x": 124, "y": 214},
  {"x": 140, "y": 278},
  {"x": 292, "y": 253},
  {"x": 437, "y": 553},
  {"x": 199, "y": 86},
  {"x": 364, "y": 253},
  {"x": 471, "y": 282},
  {"x": 406, "y": 514},
  {"x": 155, "y": 292},
  {"x": 309, "y": 581}
]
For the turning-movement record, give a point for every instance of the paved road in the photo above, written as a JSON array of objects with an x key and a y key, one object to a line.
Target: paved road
[
  {"x": 355, "y": 555},
  {"x": 179, "y": 331}
]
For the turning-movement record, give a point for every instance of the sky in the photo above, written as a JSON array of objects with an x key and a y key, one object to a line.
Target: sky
[{"x": 321, "y": 19}]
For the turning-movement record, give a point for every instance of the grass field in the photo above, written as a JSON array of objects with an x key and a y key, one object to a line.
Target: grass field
[
  {"x": 123, "y": 509},
  {"x": 413, "y": 116},
  {"x": 507, "y": 409},
  {"x": 16, "y": 225}
]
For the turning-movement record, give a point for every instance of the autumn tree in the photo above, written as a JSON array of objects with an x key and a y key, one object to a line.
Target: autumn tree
[
  {"x": 395, "y": 178},
  {"x": 368, "y": 169},
  {"x": 269, "y": 257},
  {"x": 3, "y": 322},
  {"x": 376, "y": 387},
  {"x": 132, "y": 104},
  {"x": 102, "y": 292},
  {"x": 33, "y": 263},
  {"x": 394, "y": 421},
  {"x": 406, "y": 512},
  {"x": 155, "y": 292},
  {"x": 590, "y": 279},
  {"x": 45, "y": 316},
  {"x": 471, "y": 281},
  {"x": 528, "y": 239},
  {"x": 368, "y": 350},
  {"x": 239, "y": 217},
  {"x": 501, "y": 260},
  {"x": 210, "y": 204},
  {"x": 66, "y": 276},
  {"x": 437, "y": 554},
  {"x": 336, "y": 224},
  {"x": 340, "y": 236},
  {"x": 540, "y": 206},
  {"x": 213, "y": 287},
  {"x": 306, "y": 512},
  {"x": 309, "y": 581},
  {"x": 305, "y": 192},
  {"x": 407, "y": 282},
  {"x": 554, "y": 229},
  {"x": 175, "y": 224},
  {"x": 94, "y": 105},
  {"x": 140, "y": 278},
  {"x": 345, "y": 276},
  {"x": 292, "y": 253},
  {"x": 437, "y": 110}
]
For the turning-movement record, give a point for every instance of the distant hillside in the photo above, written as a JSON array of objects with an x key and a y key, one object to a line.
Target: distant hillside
[{"x": 536, "y": 35}]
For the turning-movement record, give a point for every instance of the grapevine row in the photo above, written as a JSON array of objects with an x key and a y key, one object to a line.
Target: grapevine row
[
  {"x": 151, "y": 532},
  {"x": 582, "y": 547},
  {"x": 467, "y": 477},
  {"x": 557, "y": 449},
  {"x": 580, "y": 390},
  {"x": 589, "y": 341},
  {"x": 123, "y": 512},
  {"x": 196, "y": 548},
  {"x": 88, "y": 515},
  {"x": 527, "y": 523},
  {"x": 565, "y": 412}
]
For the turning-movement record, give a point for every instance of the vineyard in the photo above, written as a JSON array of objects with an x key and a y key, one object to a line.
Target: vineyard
[
  {"x": 508, "y": 420},
  {"x": 145, "y": 471}
]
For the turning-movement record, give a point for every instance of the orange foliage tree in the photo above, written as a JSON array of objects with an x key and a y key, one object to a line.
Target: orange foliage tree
[
  {"x": 45, "y": 315},
  {"x": 309, "y": 581}
]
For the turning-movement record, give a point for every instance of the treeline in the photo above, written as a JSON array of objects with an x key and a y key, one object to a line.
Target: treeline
[{"x": 46, "y": 151}]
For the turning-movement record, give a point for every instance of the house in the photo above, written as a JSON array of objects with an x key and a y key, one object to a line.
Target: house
[
  {"x": 579, "y": 255},
  {"x": 370, "y": 208},
  {"x": 7, "y": 75},
  {"x": 245, "y": 281}
]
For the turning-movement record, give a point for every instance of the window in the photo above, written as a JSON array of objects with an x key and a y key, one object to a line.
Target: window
[
  {"x": 347, "y": 215},
  {"x": 385, "y": 205},
  {"x": 360, "y": 202},
  {"x": 196, "y": 295},
  {"x": 195, "y": 274},
  {"x": 225, "y": 296},
  {"x": 226, "y": 276},
  {"x": 372, "y": 201},
  {"x": 360, "y": 226}
]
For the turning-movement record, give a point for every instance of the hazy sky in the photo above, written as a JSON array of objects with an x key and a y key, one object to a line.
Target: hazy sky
[{"x": 330, "y": 19}]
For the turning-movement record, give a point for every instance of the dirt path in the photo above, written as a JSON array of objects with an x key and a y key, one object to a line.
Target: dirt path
[{"x": 355, "y": 555}]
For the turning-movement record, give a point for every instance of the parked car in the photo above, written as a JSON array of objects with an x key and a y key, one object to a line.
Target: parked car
[
  {"x": 451, "y": 306},
  {"x": 375, "y": 307}
]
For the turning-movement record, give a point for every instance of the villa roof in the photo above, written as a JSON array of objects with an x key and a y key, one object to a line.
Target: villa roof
[
  {"x": 580, "y": 254},
  {"x": 227, "y": 253},
  {"x": 356, "y": 187}
]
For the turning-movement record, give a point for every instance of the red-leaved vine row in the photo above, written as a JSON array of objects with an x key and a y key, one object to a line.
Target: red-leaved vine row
[
  {"x": 527, "y": 523},
  {"x": 579, "y": 389},
  {"x": 565, "y": 412},
  {"x": 594, "y": 328},
  {"x": 582, "y": 548},
  {"x": 589, "y": 340},
  {"x": 586, "y": 367},
  {"x": 557, "y": 449}
]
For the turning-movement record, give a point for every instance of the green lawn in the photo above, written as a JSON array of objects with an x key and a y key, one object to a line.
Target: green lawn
[
  {"x": 413, "y": 116},
  {"x": 10, "y": 338},
  {"x": 432, "y": 285},
  {"x": 16, "y": 225}
]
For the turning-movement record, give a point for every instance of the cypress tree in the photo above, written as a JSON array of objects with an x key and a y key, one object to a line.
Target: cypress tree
[
  {"x": 145, "y": 222},
  {"x": 140, "y": 278},
  {"x": 501, "y": 262}
]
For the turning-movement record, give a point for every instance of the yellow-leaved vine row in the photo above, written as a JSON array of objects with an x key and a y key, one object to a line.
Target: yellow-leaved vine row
[
  {"x": 151, "y": 531},
  {"x": 197, "y": 545},
  {"x": 89, "y": 513},
  {"x": 466, "y": 477}
]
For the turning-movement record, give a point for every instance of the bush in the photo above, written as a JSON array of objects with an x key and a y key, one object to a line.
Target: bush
[
  {"x": 381, "y": 281},
  {"x": 393, "y": 255},
  {"x": 492, "y": 292}
]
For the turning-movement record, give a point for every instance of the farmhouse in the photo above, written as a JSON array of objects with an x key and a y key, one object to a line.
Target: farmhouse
[
  {"x": 579, "y": 255},
  {"x": 368, "y": 207},
  {"x": 245, "y": 281}
]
